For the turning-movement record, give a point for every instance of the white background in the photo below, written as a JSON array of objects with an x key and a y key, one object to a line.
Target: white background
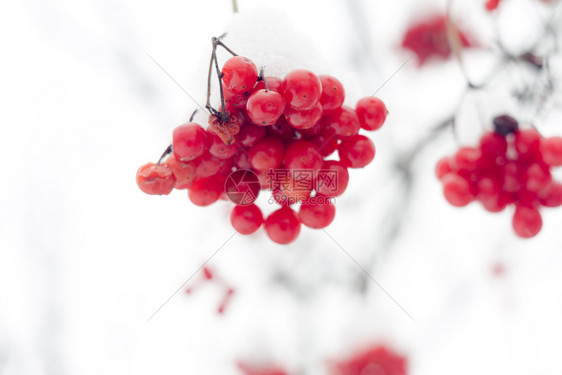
[{"x": 86, "y": 258}]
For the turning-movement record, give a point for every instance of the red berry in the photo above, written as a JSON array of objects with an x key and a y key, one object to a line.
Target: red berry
[
  {"x": 457, "y": 190},
  {"x": 371, "y": 112},
  {"x": 183, "y": 172},
  {"x": 537, "y": 177},
  {"x": 282, "y": 130},
  {"x": 267, "y": 154},
  {"x": 552, "y": 195},
  {"x": 155, "y": 179},
  {"x": 241, "y": 160},
  {"x": 234, "y": 102},
  {"x": 304, "y": 119},
  {"x": 283, "y": 226},
  {"x": 331, "y": 179},
  {"x": 493, "y": 145},
  {"x": 551, "y": 149},
  {"x": 219, "y": 149},
  {"x": 492, "y": 5},
  {"x": 317, "y": 212},
  {"x": 302, "y": 89},
  {"x": 207, "y": 165},
  {"x": 326, "y": 143},
  {"x": 377, "y": 360},
  {"x": 205, "y": 191},
  {"x": 428, "y": 38},
  {"x": 344, "y": 122},
  {"x": 292, "y": 191},
  {"x": 273, "y": 83},
  {"x": 333, "y": 93},
  {"x": 249, "y": 135},
  {"x": 240, "y": 74},
  {"x": 302, "y": 155},
  {"x": 265, "y": 107},
  {"x": 189, "y": 141},
  {"x": 528, "y": 143},
  {"x": 527, "y": 222},
  {"x": 443, "y": 168},
  {"x": 357, "y": 151},
  {"x": 246, "y": 219},
  {"x": 512, "y": 177},
  {"x": 466, "y": 159}
]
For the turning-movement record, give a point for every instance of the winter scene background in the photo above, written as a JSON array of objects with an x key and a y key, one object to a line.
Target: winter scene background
[{"x": 95, "y": 275}]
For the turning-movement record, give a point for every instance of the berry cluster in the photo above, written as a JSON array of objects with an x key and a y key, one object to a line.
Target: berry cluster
[
  {"x": 427, "y": 38},
  {"x": 270, "y": 133},
  {"x": 510, "y": 166}
]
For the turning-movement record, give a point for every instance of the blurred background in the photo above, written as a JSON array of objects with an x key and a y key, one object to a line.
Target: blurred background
[{"x": 89, "y": 264}]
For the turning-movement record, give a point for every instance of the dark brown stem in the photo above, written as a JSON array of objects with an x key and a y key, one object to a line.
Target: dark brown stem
[
  {"x": 224, "y": 115},
  {"x": 166, "y": 152},
  {"x": 192, "y": 116}
]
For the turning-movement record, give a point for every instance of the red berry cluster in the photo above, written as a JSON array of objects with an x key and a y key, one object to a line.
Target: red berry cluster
[
  {"x": 270, "y": 125},
  {"x": 510, "y": 166},
  {"x": 428, "y": 38}
]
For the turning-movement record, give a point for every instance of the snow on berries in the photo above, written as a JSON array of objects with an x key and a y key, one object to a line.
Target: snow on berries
[
  {"x": 279, "y": 134},
  {"x": 509, "y": 166}
]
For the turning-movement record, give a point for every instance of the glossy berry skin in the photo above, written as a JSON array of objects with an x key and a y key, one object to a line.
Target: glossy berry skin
[
  {"x": 357, "y": 151},
  {"x": 371, "y": 112},
  {"x": 267, "y": 154},
  {"x": 551, "y": 150},
  {"x": 207, "y": 165},
  {"x": 183, "y": 172},
  {"x": 273, "y": 83},
  {"x": 333, "y": 93},
  {"x": 302, "y": 155},
  {"x": 250, "y": 134},
  {"x": 326, "y": 184},
  {"x": 155, "y": 179},
  {"x": 317, "y": 212},
  {"x": 219, "y": 149},
  {"x": 304, "y": 119},
  {"x": 264, "y": 107},
  {"x": 282, "y": 226},
  {"x": 527, "y": 222},
  {"x": 246, "y": 219},
  {"x": 302, "y": 89},
  {"x": 325, "y": 142},
  {"x": 240, "y": 74},
  {"x": 343, "y": 122},
  {"x": 205, "y": 191},
  {"x": 457, "y": 190},
  {"x": 189, "y": 141}
]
